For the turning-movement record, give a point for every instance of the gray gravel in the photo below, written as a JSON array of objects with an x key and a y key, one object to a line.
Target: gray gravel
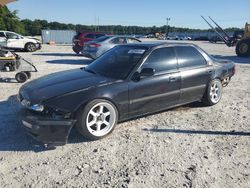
[{"x": 189, "y": 146}]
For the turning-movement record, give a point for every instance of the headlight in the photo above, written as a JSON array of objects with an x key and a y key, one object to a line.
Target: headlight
[{"x": 37, "y": 107}]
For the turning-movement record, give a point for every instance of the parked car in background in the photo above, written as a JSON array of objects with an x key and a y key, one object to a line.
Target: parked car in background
[
  {"x": 184, "y": 38},
  {"x": 172, "y": 37},
  {"x": 201, "y": 38},
  {"x": 11, "y": 40},
  {"x": 215, "y": 39},
  {"x": 96, "y": 48},
  {"x": 81, "y": 37},
  {"x": 128, "y": 81}
]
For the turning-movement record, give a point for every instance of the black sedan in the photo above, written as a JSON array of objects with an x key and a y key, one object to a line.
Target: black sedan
[{"x": 128, "y": 81}]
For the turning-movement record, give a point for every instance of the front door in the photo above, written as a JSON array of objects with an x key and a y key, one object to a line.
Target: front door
[
  {"x": 14, "y": 40},
  {"x": 159, "y": 91}
]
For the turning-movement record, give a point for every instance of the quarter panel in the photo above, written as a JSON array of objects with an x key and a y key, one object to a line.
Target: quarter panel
[{"x": 194, "y": 82}]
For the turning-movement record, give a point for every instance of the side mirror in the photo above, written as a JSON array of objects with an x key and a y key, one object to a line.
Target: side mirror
[{"x": 146, "y": 72}]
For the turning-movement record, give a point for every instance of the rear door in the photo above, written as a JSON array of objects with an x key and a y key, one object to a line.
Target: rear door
[
  {"x": 159, "y": 91},
  {"x": 3, "y": 39},
  {"x": 195, "y": 73}
]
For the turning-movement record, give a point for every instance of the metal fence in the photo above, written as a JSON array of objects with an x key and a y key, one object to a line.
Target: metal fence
[{"x": 58, "y": 36}]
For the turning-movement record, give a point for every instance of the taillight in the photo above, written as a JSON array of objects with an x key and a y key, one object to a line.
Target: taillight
[
  {"x": 94, "y": 45},
  {"x": 234, "y": 70}
]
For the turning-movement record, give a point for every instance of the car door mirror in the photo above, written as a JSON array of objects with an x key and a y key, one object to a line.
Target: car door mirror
[{"x": 146, "y": 72}]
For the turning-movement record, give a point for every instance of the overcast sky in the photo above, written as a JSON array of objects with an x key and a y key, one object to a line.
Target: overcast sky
[{"x": 182, "y": 13}]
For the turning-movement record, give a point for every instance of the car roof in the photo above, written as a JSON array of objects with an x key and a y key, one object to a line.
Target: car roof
[{"x": 159, "y": 44}]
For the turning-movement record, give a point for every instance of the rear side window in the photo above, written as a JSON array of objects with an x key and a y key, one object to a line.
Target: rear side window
[
  {"x": 189, "y": 56},
  {"x": 132, "y": 40},
  {"x": 162, "y": 60},
  {"x": 118, "y": 40},
  {"x": 2, "y": 34},
  {"x": 99, "y": 35},
  {"x": 91, "y": 36}
]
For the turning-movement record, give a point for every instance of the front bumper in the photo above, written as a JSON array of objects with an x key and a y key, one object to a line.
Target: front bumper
[
  {"x": 76, "y": 48},
  {"x": 47, "y": 130},
  {"x": 38, "y": 46}
]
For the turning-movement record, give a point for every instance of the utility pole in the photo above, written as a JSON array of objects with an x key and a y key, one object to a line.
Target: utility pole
[
  {"x": 167, "y": 20},
  {"x": 98, "y": 23}
]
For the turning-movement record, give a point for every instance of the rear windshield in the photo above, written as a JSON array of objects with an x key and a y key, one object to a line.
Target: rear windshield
[{"x": 101, "y": 39}]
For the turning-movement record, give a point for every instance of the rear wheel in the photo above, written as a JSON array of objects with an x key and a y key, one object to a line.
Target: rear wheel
[
  {"x": 243, "y": 48},
  {"x": 21, "y": 77},
  {"x": 30, "y": 47},
  {"x": 213, "y": 93},
  {"x": 97, "y": 119}
]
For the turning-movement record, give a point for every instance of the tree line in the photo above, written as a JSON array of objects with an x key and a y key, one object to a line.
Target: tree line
[{"x": 9, "y": 21}]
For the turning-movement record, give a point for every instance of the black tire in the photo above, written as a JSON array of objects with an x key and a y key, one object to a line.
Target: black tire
[
  {"x": 21, "y": 77},
  {"x": 211, "y": 97},
  {"x": 85, "y": 115},
  {"x": 243, "y": 48},
  {"x": 30, "y": 47},
  {"x": 28, "y": 74}
]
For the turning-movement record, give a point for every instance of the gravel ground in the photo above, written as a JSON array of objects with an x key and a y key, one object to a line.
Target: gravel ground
[{"x": 189, "y": 146}]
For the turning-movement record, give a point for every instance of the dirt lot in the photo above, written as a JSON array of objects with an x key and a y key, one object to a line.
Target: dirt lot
[{"x": 190, "y": 146}]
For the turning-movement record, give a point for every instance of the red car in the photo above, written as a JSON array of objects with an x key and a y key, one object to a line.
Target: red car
[{"x": 80, "y": 38}]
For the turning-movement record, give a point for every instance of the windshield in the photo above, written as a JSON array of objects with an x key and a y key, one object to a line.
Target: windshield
[{"x": 118, "y": 62}]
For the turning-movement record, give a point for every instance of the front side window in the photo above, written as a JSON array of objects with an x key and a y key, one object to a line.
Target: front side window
[
  {"x": 161, "y": 60},
  {"x": 12, "y": 35},
  {"x": 189, "y": 56},
  {"x": 118, "y": 62}
]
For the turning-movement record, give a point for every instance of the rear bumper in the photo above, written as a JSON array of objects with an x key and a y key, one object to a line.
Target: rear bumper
[{"x": 47, "y": 130}]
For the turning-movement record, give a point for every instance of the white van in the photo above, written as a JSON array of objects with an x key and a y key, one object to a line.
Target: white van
[{"x": 13, "y": 40}]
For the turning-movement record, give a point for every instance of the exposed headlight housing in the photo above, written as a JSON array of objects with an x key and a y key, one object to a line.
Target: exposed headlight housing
[
  {"x": 37, "y": 107},
  {"x": 25, "y": 103}
]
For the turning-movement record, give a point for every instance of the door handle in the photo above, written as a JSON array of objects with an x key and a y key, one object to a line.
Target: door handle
[
  {"x": 209, "y": 71},
  {"x": 172, "y": 79}
]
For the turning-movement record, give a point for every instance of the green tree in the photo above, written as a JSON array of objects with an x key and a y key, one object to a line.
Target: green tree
[{"x": 9, "y": 21}]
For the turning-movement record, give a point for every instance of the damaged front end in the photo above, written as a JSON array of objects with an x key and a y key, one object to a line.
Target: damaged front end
[{"x": 45, "y": 124}]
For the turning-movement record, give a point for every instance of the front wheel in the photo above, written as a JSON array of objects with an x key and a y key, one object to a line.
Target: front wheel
[
  {"x": 97, "y": 119},
  {"x": 30, "y": 47},
  {"x": 213, "y": 93}
]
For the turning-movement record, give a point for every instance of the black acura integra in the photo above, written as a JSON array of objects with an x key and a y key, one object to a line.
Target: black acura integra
[{"x": 126, "y": 82}]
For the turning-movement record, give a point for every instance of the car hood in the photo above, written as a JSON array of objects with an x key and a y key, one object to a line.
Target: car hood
[
  {"x": 35, "y": 40},
  {"x": 60, "y": 83}
]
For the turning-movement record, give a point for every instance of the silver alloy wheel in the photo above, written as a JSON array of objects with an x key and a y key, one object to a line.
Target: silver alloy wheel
[
  {"x": 101, "y": 119},
  {"x": 215, "y": 92},
  {"x": 31, "y": 47}
]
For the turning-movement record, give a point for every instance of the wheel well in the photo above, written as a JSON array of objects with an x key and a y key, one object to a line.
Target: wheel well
[
  {"x": 28, "y": 43},
  {"x": 82, "y": 106}
]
